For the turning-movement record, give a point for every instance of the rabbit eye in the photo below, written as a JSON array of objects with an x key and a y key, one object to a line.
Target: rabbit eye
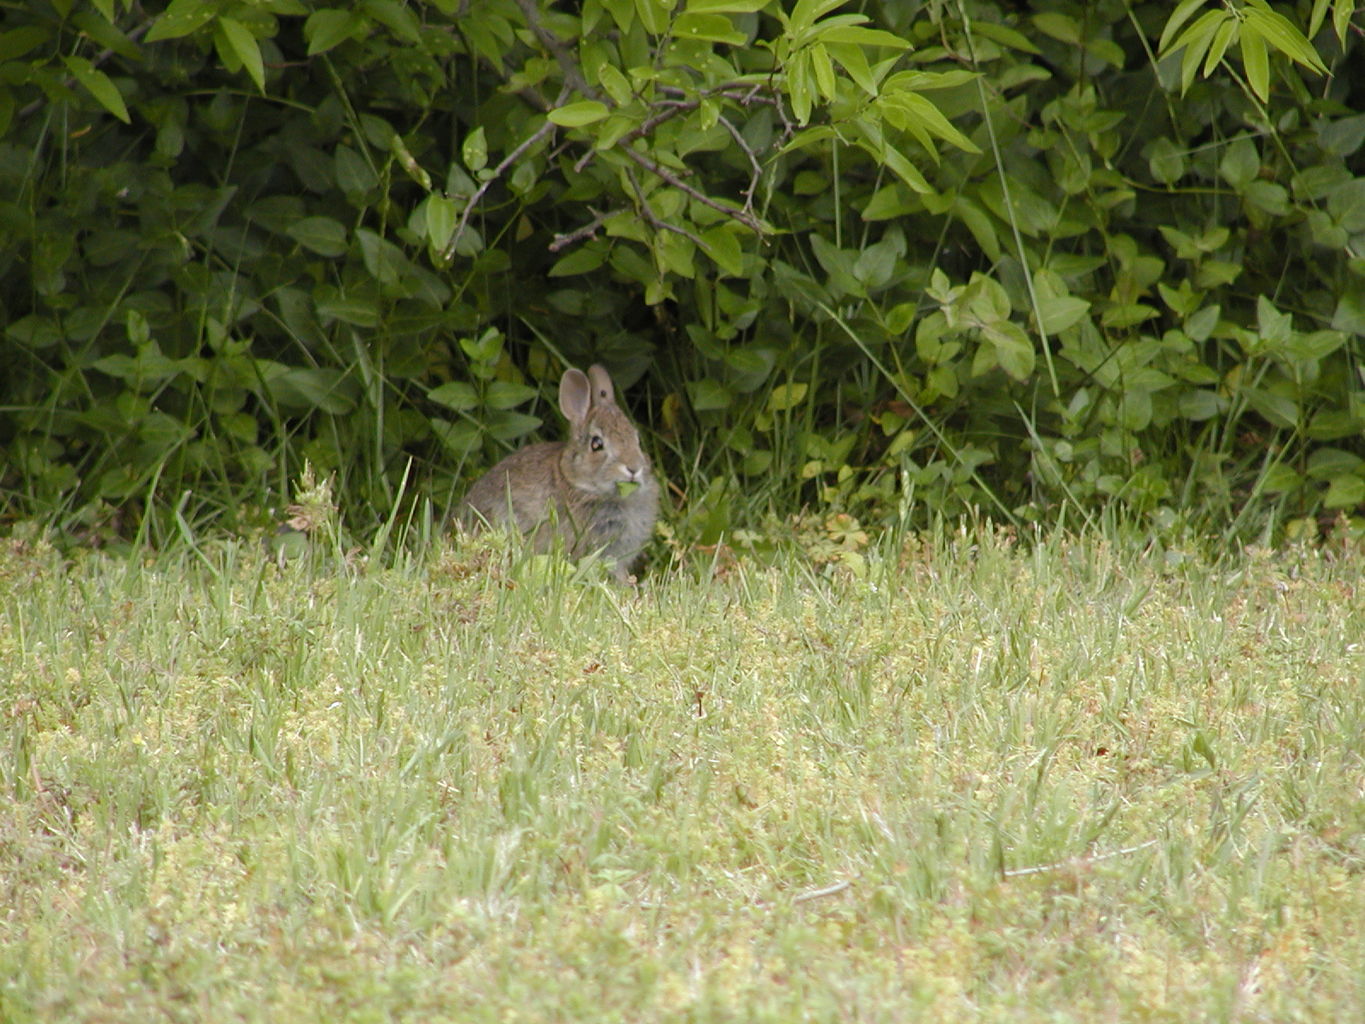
[{"x": 596, "y": 443}]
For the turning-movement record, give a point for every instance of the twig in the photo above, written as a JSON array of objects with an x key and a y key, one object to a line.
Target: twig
[
  {"x": 672, "y": 108},
  {"x": 744, "y": 93},
  {"x": 586, "y": 231},
  {"x": 573, "y": 75},
  {"x": 1078, "y": 861},
  {"x": 743, "y": 216},
  {"x": 498, "y": 171},
  {"x": 584, "y": 160},
  {"x": 753, "y": 162},
  {"x": 654, "y": 221},
  {"x": 815, "y": 894}
]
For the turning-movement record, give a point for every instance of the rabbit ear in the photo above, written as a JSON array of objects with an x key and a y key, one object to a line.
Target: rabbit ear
[
  {"x": 575, "y": 395},
  {"x": 601, "y": 385}
]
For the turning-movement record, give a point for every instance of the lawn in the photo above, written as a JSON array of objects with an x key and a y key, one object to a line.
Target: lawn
[{"x": 1068, "y": 779}]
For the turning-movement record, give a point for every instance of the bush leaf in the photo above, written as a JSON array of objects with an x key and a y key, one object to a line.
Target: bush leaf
[{"x": 99, "y": 85}]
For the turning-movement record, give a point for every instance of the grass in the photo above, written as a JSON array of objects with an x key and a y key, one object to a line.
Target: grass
[{"x": 1058, "y": 781}]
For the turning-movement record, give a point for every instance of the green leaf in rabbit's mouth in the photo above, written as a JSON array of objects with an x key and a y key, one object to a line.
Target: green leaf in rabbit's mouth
[{"x": 625, "y": 488}]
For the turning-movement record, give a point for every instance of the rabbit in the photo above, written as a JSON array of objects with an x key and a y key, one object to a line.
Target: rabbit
[{"x": 568, "y": 490}]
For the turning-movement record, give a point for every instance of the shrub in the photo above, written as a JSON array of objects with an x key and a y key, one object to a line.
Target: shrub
[{"x": 881, "y": 257}]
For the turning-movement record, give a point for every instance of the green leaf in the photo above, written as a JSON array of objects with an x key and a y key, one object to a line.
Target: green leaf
[
  {"x": 1135, "y": 408},
  {"x": 860, "y": 36},
  {"x": 1199, "y": 326},
  {"x": 1273, "y": 327},
  {"x": 328, "y": 28},
  {"x": 354, "y": 175},
  {"x": 34, "y": 331},
  {"x": 1342, "y": 13},
  {"x": 1340, "y": 137},
  {"x": 1279, "y": 32},
  {"x": 1277, "y": 409},
  {"x": 575, "y": 115},
  {"x": 654, "y": 14},
  {"x": 987, "y": 300},
  {"x": 243, "y": 44},
  {"x": 1345, "y": 492},
  {"x": 1240, "y": 164},
  {"x": 1013, "y": 349},
  {"x": 456, "y": 395},
  {"x": 385, "y": 262},
  {"x": 99, "y": 85},
  {"x": 321, "y": 235},
  {"x": 474, "y": 150},
  {"x": 1218, "y": 46},
  {"x": 1179, "y": 16},
  {"x": 1166, "y": 160},
  {"x": 1346, "y": 204},
  {"x": 1199, "y": 404},
  {"x": 805, "y": 12},
  {"x": 1256, "y": 64},
  {"x": 180, "y": 19},
  {"x": 1333, "y": 425},
  {"x": 787, "y": 396},
  {"x": 1196, "y": 41},
  {"x": 979, "y": 223},
  {"x": 838, "y": 265},
  {"x": 727, "y": 6},
  {"x": 713, "y": 28},
  {"x": 506, "y": 394},
  {"x": 396, "y": 18},
  {"x": 505, "y": 425},
  {"x": 889, "y": 202},
  {"x": 1061, "y": 27},
  {"x": 1005, "y": 36},
  {"x": 1061, "y": 312},
  {"x": 1269, "y": 196},
  {"x": 17, "y": 42},
  {"x": 305, "y": 389},
  {"x": 798, "y": 86},
  {"x": 1326, "y": 463},
  {"x": 854, "y": 62},
  {"x": 823, "y": 70},
  {"x": 899, "y": 319},
  {"x": 901, "y": 165},
  {"x": 919, "y": 115},
  {"x": 441, "y": 218},
  {"x": 1350, "y": 312},
  {"x": 708, "y": 395},
  {"x": 722, "y": 245},
  {"x": 357, "y": 311},
  {"x": 580, "y": 261}
]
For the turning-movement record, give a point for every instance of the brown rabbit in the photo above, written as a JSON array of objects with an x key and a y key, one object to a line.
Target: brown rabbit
[{"x": 573, "y": 490}]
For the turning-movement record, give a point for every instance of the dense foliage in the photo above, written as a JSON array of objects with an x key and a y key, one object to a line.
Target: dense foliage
[{"x": 873, "y": 256}]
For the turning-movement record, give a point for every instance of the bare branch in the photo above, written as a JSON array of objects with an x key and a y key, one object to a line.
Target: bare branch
[
  {"x": 828, "y": 890},
  {"x": 655, "y": 222},
  {"x": 586, "y": 231},
  {"x": 753, "y": 162},
  {"x": 573, "y": 74},
  {"x": 1078, "y": 862},
  {"x": 498, "y": 171},
  {"x": 671, "y": 109},
  {"x": 743, "y": 216}
]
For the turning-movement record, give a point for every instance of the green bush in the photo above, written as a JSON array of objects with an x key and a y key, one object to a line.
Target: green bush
[{"x": 878, "y": 257}]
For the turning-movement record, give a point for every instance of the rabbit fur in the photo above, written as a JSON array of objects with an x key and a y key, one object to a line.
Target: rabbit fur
[{"x": 567, "y": 490}]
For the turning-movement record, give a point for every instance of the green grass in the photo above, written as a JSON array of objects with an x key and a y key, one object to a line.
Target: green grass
[{"x": 1061, "y": 781}]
